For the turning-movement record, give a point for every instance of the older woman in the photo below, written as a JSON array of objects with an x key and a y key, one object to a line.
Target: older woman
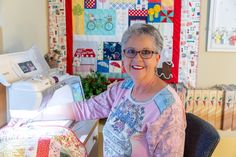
[{"x": 145, "y": 115}]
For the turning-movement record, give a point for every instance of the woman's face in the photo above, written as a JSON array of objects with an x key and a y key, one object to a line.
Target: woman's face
[{"x": 139, "y": 68}]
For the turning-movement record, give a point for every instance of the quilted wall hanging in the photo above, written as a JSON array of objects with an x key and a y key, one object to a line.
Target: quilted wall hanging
[{"x": 94, "y": 29}]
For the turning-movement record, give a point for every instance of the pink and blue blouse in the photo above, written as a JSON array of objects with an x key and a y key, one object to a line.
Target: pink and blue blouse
[{"x": 152, "y": 128}]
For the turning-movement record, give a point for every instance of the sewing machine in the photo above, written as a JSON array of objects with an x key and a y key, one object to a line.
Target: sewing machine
[{"x": 31, "y": 85}]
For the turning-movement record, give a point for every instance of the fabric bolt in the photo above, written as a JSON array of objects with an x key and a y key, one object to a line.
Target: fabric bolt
[{"x": 155, "y": 127}]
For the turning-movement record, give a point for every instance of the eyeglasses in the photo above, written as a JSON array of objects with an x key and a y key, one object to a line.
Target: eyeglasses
[{"x": 145, "y": 54}]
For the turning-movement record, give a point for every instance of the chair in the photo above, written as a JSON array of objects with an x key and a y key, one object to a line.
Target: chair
[{"x": 201, "y": 137}]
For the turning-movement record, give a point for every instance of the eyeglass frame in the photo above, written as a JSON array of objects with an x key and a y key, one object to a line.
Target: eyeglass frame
[{"x": 140, "y": 53}]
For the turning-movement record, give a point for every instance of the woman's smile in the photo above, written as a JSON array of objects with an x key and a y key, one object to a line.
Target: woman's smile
[{"x": 137, "y": 67}]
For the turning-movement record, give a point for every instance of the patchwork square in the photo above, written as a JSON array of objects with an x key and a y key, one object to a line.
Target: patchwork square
[
  {"x": 154, "y": 10},
  {"x": 122, "y": 6},
  {"x": 167, "y": 4},
  {"x": 90, "y": 4},
  {"x": 122, "y": 1},
  {"x": 115, "y": 66},
  {"x": 154, "y": 1},
  {"x": 99, "y": 22},
  {"x": 112, "y": 51},
  {"x": 86, "y": 55},
  {"x": 167, "y": 16},
  {"x": 103, "y": 66},
  {"x": 100, "y": 51},
  {"x": 137, "y": 19},
  {"x": 123, "y": 68},
  {"x": 141, "y": 4},
  {"x": 138, "y": 12}
]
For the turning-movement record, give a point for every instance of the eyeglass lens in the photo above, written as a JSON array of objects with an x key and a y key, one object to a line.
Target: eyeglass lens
[{"x": 131, "y": 53}]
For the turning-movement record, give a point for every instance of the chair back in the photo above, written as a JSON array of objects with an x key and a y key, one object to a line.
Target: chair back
[{"x": 201, "y": 137}]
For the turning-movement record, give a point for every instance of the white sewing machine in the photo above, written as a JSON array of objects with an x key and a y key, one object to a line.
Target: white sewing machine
[{"x": 32, "y": 85}]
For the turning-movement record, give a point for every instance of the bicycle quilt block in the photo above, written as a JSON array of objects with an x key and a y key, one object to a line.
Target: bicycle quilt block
[
  {"x": 99, "y": 22},
  {"x": 112, "y": 51}
]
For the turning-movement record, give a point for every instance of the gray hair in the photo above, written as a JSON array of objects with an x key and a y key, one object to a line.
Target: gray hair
[{"x": 146, "y": 29}]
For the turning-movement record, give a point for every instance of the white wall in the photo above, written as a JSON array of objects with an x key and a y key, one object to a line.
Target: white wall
[
  {"x": 24, "y": 22},
  {"x": 1, "y": 44},
  {"x": 1, "y": 41},
  {"x": 213, "y": 67}
]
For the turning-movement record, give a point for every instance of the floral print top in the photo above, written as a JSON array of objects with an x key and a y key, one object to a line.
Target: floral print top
[{"x": 139, "y": 129}]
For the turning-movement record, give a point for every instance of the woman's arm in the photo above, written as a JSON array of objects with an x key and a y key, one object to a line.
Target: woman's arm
[
  {"x": 166, "y": 135},
  {"x": 94, "y": 108}
]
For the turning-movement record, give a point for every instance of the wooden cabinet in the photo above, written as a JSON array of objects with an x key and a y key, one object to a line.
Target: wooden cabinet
[
  {"x": 87, "y": 132},
  {"x": 3, "y": 106}
]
